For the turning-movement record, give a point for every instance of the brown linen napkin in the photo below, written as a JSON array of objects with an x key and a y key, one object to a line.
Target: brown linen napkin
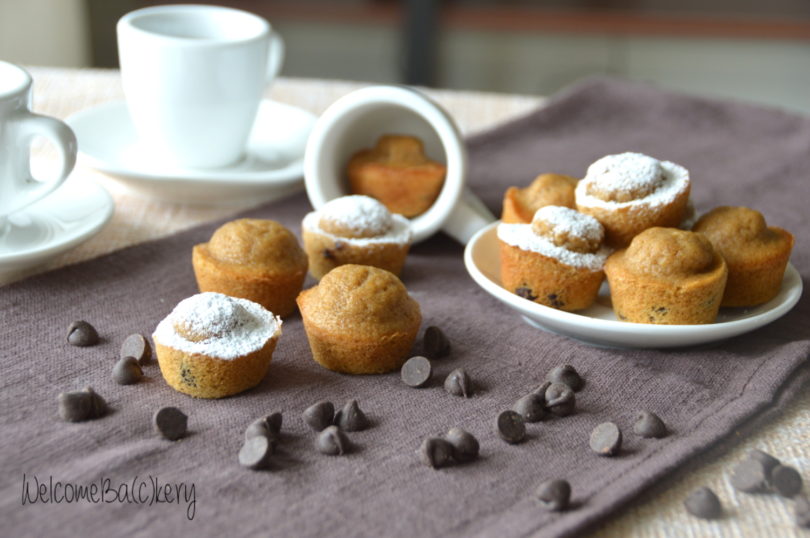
[{"x": 737, "y": 155}]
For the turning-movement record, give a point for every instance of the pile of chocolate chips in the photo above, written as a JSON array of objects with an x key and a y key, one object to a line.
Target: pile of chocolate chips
[
  {"x": 417, "y": 371},
  {"x": 332, "y": 427},
  {"x": 457, "y": 446}
]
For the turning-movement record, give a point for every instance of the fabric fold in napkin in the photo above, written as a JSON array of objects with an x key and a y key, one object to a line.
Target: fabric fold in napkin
[{"x": 737, "y": 155}]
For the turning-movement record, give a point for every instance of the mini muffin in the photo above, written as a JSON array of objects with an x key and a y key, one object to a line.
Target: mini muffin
[
  {"x": 667, "y": 276},
  {"x": 520, "y": 205},
  {"x": 355, "y": 229},
  {"x": 556, "y": 260},
  {"x": 253, "y": 259},
  {"x": 756, "y": 253},
  {"x": 397, "y": 173},
  {"x": 360, "y": 320},
  {"x": 631, "y": 192},
  {"x": 213, "y": 345}
]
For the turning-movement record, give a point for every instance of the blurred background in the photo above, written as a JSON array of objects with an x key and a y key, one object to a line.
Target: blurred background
[{"x": 754, "y": 50}]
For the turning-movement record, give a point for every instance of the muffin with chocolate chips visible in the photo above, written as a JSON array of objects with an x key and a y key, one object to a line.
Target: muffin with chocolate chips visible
[
  {"x": 556, "y": 260},
  {"x": 355, "y": 230}
]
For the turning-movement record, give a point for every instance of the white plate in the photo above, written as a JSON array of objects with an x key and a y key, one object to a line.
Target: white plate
[
  {"x": 598, "y": 324},
  {"x": 273, "y": 164},
  {"x": 70, "y": 215}
]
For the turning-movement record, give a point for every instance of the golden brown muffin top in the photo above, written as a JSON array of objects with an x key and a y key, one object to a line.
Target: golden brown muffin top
[
  {"x": 741, "y": 234},
  {"x": 546, "y": 189},
  {"x": 258, "y": 244},
  {"x": 671, "y": 253},
  {"x": 399, "y": 150},
  {"x": 370, "y": 300}
]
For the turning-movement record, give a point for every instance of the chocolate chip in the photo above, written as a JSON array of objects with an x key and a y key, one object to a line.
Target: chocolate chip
[
  {"x": 606, "y": 439},
  {"x": 749, "y": 476},
  {"x": 458, "y": 383},
  {"x": 170, "y": 423},
  {"x": 768, "y": 461},
  {"x": 554, "y": 495},
  {"x": 532, "y": 408},
  {"x": 75, "y": 406},
  {"x": 136, "y": 345},
  {"x": 786, "y": 481},
  {"x": 560, "y": 399},
  {"x": 465, "y": 445},
  {"x": 320, "y": 415},
  {"x": 511, "y": 427},
  {"x": 416, "y": 372},
  {"x": 435, "y": 344},
  {"x": 649, "y": 425},
  {"x": 801, "y": 511},
  {"x": 127, "y": 371},
  {"x": 567, "y": 375},
  {"x": 541, "y": 390},
  {"x": 332, "y": 441},
  {"x": 255, "y": 452},
  {"x": 269, "y": 426},
  {"x": 526, "y": 293},
  {"x": 436, "y": 452},
  {"x": 98, "y": 407},
  {"x": 82, "y": 334},
  {"x": 351, "y": 418},
  {"x": 703, "y": 503}
]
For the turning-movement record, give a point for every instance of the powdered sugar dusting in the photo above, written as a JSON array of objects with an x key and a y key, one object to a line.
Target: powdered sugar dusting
[
  {"x": 358, "y": 213},
  {"x": 571, "y": 222},
  {"x": 632, "y": 172},
  {"x": 523, "y": 237},
  {"x": 217, "y": 325},
  {"x": 398, "y": 231}
]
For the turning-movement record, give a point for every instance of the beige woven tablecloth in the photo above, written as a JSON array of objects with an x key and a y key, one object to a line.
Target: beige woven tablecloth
[{"x": 59, "y": 92}]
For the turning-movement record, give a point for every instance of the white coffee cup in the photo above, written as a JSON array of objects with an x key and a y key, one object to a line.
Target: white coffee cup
[
  {"x": 18, "y": 127},
  {"x": 357, "y": 120},
  {"x": 193, "y": 78}
]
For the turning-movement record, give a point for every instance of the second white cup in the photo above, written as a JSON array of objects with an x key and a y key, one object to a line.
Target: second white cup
[{"x": 193, "y": 78}]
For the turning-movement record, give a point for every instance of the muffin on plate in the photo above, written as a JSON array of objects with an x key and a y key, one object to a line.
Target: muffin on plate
[
  {"x": 355, "y": 230},
  {"x": 520, "y": 205},
  {"x": 667, "y": 276},
  {"x": 360, "y": 320},
  {"x": 212, "y": 345},
  {"x": 756, "y": 253},
  {"x": 631, "y": 192},
  {"x": 556, "y": 260},
  {"x": 397, "y": 173},
  {"x": 254, "y": 259}
]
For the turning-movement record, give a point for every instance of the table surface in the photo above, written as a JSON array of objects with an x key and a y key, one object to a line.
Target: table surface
[{"x": 61, "y": 92}]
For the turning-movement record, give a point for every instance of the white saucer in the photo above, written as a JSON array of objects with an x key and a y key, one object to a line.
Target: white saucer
[
  {"x": 598, "y": 325},
  {"x": 70, "y": 215},
  {"x": 273, "y": 164}
]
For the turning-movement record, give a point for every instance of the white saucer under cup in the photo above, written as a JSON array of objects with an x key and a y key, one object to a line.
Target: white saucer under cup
[
  {"x": 357, "y": 120},
  {"x": 193, "y": 77}
]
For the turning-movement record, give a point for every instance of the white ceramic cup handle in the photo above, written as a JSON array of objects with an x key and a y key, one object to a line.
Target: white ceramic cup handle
[
  {"x": 469, "y": 216},
  {"x": 275, "y": 57},
  {"x": 63, "y": 139}
]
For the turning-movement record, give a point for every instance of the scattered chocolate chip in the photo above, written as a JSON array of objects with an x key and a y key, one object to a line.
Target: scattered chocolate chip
[
  {"x": 332, "y": 441},
  {"x": 606, "y": 439},
  {"x": 649, "y": 425},
  {"x": 98, "y": 407},
  {"x": 541, "y": 390},
  {"x": 269, "y": 426},
  {"x": 526, "y": 293},
  {"x": 435, "y": 344},
  {"x": 768, "y": 461},
  {"x": 436, "y": 452},
  {"x": 511, "y": 427},
  {"x": 560, "y": 399},
  {"x": 75, "y": 406},
  {"x": 320, "y": 415},
  {"x": 532, "y": 408},
  {"x": 255, "y": 452},
  {"x": 82, "y": 334},
  {"x": 703, "y": 503},
  {"x": 170, "y": 423},
  {"x": 351, "y": 418},
  {"x": 127, "y": 371},
  {"x": 567, "y": 375},
  {"x": 786, "y": 481},
  {"x": 274, "y": 421},
  {"x": 465, "y": 445},
  {"x": 136, "y": 345},
  {"x": 801, "y": 511},
  {"x": 416, "y": 372},
  {"x": 458, "y": 383},
  {"x": 749, "y": 476},
  {"x": 554, "y": 495}
]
